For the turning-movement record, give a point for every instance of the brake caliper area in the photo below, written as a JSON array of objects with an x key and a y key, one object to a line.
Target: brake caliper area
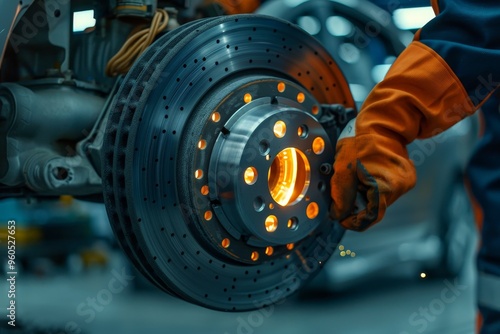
[{"x": 217, "y": 161}]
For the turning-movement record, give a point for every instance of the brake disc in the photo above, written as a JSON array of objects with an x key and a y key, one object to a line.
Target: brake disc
[{"x": 215, "y": 164}]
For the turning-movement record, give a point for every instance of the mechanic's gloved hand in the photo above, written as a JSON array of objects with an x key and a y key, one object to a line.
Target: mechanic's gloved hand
[
  {"x": 210, "y": 8},
  {"x": 370, "y": 172},
  {"x": 419, "y": 97}
]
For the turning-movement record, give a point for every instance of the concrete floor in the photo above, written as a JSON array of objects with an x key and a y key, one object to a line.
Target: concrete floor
[{"x": 58, "y": 304}]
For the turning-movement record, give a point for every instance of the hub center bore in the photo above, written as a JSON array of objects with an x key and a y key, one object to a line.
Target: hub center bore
[
  {"x": 264, "y": 170},
  {"x": 289, "y": 176}
]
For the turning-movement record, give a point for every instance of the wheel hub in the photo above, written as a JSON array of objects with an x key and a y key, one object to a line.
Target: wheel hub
[{"x": 264, "y": 182}]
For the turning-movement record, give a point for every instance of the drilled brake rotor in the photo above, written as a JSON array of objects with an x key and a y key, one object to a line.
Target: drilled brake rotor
[{"x": 215, "y": 171}]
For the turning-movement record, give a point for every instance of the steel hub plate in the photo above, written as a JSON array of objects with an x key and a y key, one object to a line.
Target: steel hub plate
[{"x": 191, "y": 110}]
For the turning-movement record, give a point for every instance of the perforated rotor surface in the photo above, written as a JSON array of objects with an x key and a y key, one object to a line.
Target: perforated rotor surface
[{"x": 160, "y": 136}]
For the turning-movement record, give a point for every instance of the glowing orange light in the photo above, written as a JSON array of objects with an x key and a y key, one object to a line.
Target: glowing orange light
[
  {"x": 204, "y": 190},
  {"x": 269, "y": 251},
  {"x": 208, "y": 215},
  {"x": 312, "y": 210},
  {"x": 279, "y": 129},
  {"x": 198, "y": 174},
  {"x": 315, "y": 110},
  {"x": 290, "y": 246},
  {"x": 250, "y": 175},
  {"x": 254, "y": 256},
  {"x": 292, "y": 223},
  {"x": 225, "y": 243},
  {"x": 302, "y": 131},
  {"x": 289, "y": 176},
  {"x": 202, "y": 144},
  {"x": 215, "y": 117},
  {"x": 301, "y": 97},
  {"x": 318, "y": 145},
  {"x": 247, "y": 98},
  {"x": 271, "y": 223},
  {"x": 281, "y": 87}
]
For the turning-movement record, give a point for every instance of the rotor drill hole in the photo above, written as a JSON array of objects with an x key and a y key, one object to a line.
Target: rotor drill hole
[
  {"x": 198, "y": 174},
  {"x": 202, "y": 144},
  {"x": 301, "y": 97},
  {"x": 247, "y": 98},
  {"x": 208, "y": 215},
  {"x": 269, "y": 250},
  {"x": 215, "y": 117},
  {"x": 226, "y": 243},
  {"x": 281, "y": 87},
  {"x": 205, "y": 190},
  {"x": 315, "y": 108}
]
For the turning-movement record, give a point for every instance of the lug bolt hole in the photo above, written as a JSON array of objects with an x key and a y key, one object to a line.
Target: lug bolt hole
[
  {"x": 250, "y": 176},
  {"x": 312, "y": 210},
  {"x": 259, "y": 204},
  {"x": 303, "y": 131},
  {"x": 318, "y": 145},
  {"x": 322, "y": 186},
  {"x": 279, "y": 129},
  {"x": 271, "y": 223},
  {"x": 264, "y": 147},
  {"x": 293, "y": 223}
]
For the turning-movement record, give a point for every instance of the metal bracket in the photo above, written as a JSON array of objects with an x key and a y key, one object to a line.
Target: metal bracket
[{"x": 334, "y": 118}]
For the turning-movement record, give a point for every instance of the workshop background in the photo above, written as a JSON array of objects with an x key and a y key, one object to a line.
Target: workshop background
[{"x": 412, "y": 273}]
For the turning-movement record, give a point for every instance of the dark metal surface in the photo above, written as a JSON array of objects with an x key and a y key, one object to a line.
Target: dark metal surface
[
  {"x": 42, "y": 121},
  {"x": 151, "y": 155}
]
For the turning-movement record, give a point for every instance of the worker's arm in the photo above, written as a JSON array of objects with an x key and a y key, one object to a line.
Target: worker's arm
[{"x": 444, "y": 75}]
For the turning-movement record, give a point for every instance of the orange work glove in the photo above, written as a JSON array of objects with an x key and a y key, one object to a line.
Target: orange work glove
[
  {"x": 229, "y": 7},
  {"x": 420, "y": 97}
]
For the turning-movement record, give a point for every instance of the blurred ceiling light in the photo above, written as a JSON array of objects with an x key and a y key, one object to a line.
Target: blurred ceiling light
[
  {"x": 412, "y": 18},
  {"x": 379, "y": 72},
  {"x": 338, "y": 26},
  {"x": 359, "y": 92},
  {"x": 309, "y": 24},
  {"x": 349, "y": 53},
  {"x": 82, "y": 20}
]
